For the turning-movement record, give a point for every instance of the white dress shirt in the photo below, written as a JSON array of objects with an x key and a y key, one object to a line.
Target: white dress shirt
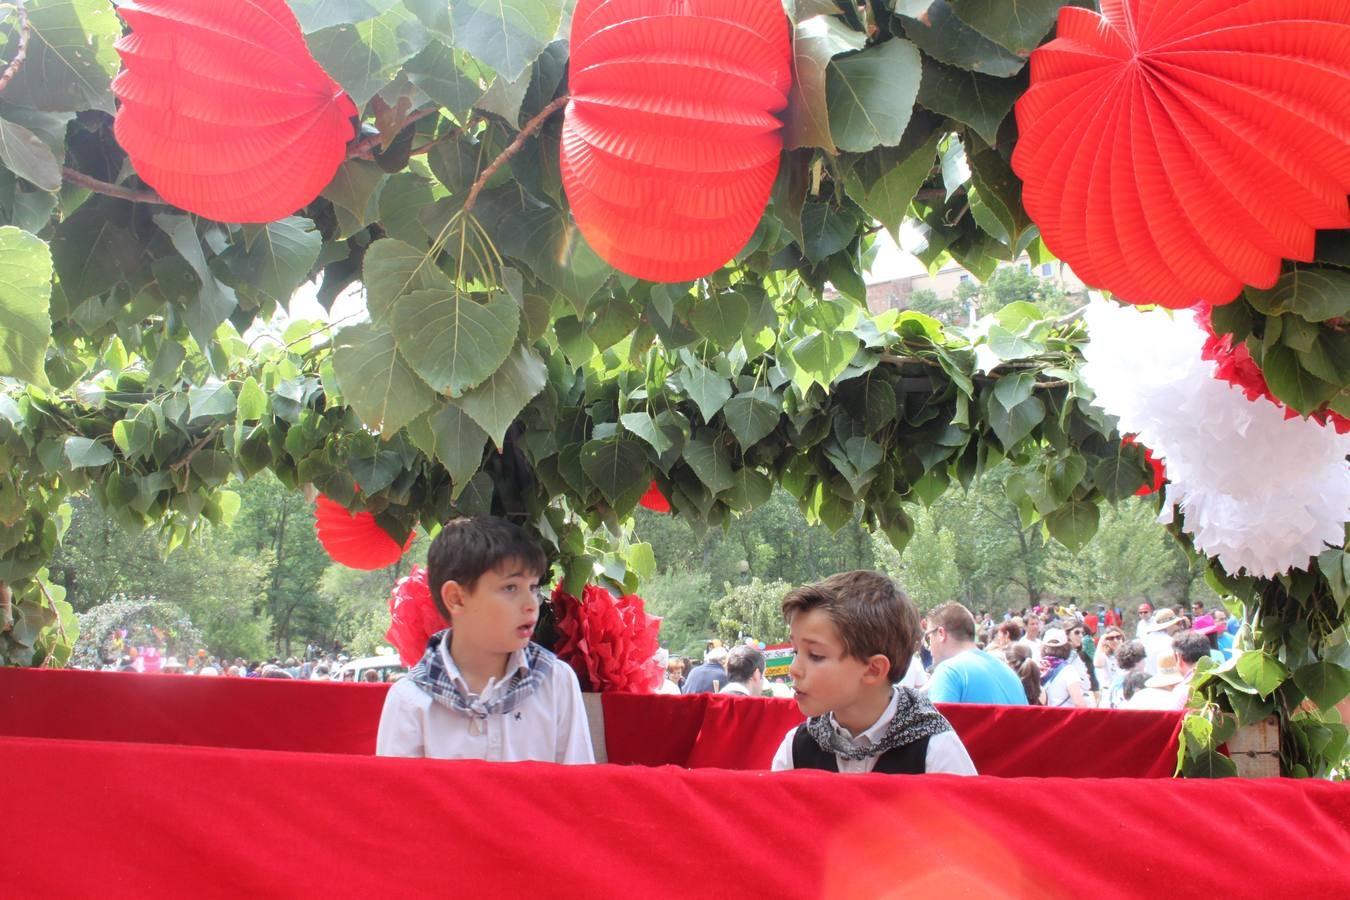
[
  {"x": 946, "y": 753},
  {"x": 549, "y": 726}
]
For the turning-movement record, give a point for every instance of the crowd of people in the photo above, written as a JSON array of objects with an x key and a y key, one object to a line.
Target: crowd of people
[
  {"x": 1038, "y": 656},
  {"x": 317, "y": 665}
]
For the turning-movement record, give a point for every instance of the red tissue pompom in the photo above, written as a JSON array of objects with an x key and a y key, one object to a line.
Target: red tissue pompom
[
  {"x": 224, "y": 111},
  {"x": 1172, "y": 151},
  {"x": 655, "y": 500},
  {"x": 355, "y": 539},
  {"x": 671, "y": 139},
  {"x": 413, "y": 617},
  {"x": 1159, "y": 473},
  {"x": 1233, "y": 363},
  {"x": 610, "y": 643}
]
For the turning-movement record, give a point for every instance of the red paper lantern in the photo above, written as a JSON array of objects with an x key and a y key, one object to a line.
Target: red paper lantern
[
  {"x": 655, "y": 500},
  {"x": 355, "y": 539},
  {"x": 1172, "y": 151},
  {"x": 224, "y": 111},
  {"x": 671, "y": 142}
]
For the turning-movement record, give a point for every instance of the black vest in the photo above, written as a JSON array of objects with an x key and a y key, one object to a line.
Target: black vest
[{"x": 910, "y": 759}]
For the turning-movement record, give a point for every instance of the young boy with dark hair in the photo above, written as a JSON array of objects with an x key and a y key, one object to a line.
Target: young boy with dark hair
[
  {"x": 483, "y": 690},
  {"x": 853, "y": 635}
]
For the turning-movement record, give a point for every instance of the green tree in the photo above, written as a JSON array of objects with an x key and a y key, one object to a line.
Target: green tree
[
  {"x": 752, "y": 610},
  {"x": 683, "y": 599},
  {"x": 1128, "y": 559},
  {"x": 927, "y": 570},
  {"x": 948, "y": 311}
]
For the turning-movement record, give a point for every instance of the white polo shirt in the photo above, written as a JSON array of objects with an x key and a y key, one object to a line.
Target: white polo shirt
[
  {"x": 946, "y": 753},
  {"x": 548, "y": 726}
]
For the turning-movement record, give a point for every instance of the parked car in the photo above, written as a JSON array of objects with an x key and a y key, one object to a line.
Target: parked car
[{"x": 355, "y": 669}]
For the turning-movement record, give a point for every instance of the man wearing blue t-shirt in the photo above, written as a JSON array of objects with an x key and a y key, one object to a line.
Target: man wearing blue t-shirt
[{"x": 962, "y": 672}]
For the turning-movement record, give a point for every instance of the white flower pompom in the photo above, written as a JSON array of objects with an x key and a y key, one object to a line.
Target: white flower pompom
[{"x": 1260, "y": 492}]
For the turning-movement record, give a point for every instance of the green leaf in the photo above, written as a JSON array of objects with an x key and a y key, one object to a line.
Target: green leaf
[
  {"x": 210, "y": 400},
  {"x": 70, "y": 60},
  {"x": 495, "y": 404},
  {"x": 316, "y": 14},
  {"x": 818, "y": 40},
  {"x": 613, "y": 322},
  {"x": 365, "y": 56},
  {"x": 943, "y": 36},
  {"x": 720, "y": 318},
  {"x": 827, "y": 230},
  {"x": 215, "y": 301},
  {"x": 1335, "y": 568},
  {"x": 822, "y": 357},
  {"x": 556, "y": 252},
  {"x": 453, "y": 341},
  {"x": 705, "y": 387},
  {"x": 980, "y": 101},
  {"x": 1291, "y": 383},
  {"x": 751, "y": 416},
  {"x": 618, "y": 468},
  {"x": 505, "y": 34},
  {"x": 1013, "y": 389},
  {"x": 871, "y": 95},
  {"x": 898, "y": 177},
  {"x": 92, "y": 254},
  {"x": 857, "y": 460},
  {"x": 1012, "y": 425},
  {"x": 1316, "y": 293},
  {"x": 392, "y": 269},
  {"x": 1325, "y": 683},
  {"x": 1120, "y": 475},
  {"x": 710, "y": 463},
  {"x": 25, "y": 296},
  {"x": 24, "y": 154},
  {"x": 1008, "y": 346},
  {"x": 277, "y": 259},
  {"x": 376, "y": 382},
  {"x": 1073, "y": 524},
  {"x": 1018, "y": 25},
  {"x": 252, "y": 401},
  {"x": 82, "y": 452},
  {"x": 879, "y": 403},
  {"x": 749, "y": 489},
  {"x": 1262, "y": 671},
  {"x": 434, "y": 71},
  {"x": 354, "y": 191},
  {"x": 453, "y": 438},
  {"x": 644, "y": 426}
]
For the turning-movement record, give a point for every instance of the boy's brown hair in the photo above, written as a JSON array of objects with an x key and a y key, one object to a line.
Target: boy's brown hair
[{"x": 870, "y": 612}]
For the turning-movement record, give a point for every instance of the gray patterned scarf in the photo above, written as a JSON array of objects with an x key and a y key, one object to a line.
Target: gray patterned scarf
[
  {"x": 915, "y": 717},
  {"x": 431, "y": 676}
]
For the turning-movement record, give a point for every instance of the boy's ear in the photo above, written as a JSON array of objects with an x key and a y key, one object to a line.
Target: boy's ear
[
  {"x": 452, "y": 595},
  {"x": 878, "y": 667}
]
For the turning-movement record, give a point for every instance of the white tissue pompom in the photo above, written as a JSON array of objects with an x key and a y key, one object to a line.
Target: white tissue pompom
[{"x": 1259, "y": 492}]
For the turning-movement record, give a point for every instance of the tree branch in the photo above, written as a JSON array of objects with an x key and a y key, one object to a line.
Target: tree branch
[
  {"x": 452, "y": 135},
  {"x": 530, "y": 128},
  {"x": 111, "y": 190},
  {"x": 196, "y": 448},
  {"x": 13, "y": 68},
  {"x": 362, "y": 149}
]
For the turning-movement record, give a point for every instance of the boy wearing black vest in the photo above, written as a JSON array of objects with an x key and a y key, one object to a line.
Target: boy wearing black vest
[{"x": 853, "y": 635}]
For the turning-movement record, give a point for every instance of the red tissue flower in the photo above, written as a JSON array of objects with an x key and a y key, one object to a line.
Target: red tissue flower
[
  {"x": 1159, "y": 473},
  {"x": 610, "y": 643},
  {"x": 655, "y": 500},
  {"x": 413, "y": 617},
  {"x": 1234, "y": 364}
]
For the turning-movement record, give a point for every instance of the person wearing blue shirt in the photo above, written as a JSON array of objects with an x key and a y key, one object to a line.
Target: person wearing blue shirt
[{"x": 963, "y": 673}]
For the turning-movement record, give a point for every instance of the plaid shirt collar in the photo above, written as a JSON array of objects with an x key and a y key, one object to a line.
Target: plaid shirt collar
[{"x": 437, "y": 674}]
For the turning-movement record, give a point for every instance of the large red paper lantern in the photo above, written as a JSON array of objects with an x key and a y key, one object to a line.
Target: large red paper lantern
[
  {"x": 671, "y": 141},
  {"x": 1172, "y": 151},
  {"x": 355, "y": 539},
  {"x": 224, "y": 111}
]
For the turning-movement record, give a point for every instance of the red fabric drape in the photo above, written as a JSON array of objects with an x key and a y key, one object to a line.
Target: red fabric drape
[
  {"x": 1011, "y": 741},
  {"x": 117, "y": 819},
  {"x": 698, "y": 731}
]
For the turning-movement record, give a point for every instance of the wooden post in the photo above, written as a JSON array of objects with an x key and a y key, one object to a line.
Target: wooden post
[{"x": 1255, "y": 749}]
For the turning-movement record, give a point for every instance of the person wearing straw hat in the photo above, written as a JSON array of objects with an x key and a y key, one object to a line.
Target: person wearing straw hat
[
  {"x": 1158, "y": 638},
  {"x": 1159, "y": 691}
]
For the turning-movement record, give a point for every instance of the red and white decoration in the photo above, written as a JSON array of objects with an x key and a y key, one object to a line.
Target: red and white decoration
[
  {"x": 355, "y": 539},
  {"x": 1172, "y": 151},
  {"x": 1260, "y": 492},
  {"x": 671, "y": 140},
  {"x": 223, "y": 110}
]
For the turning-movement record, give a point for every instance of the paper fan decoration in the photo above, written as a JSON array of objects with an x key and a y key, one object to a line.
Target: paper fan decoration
[
  {"x": 355, "y": 539},
  {"x": 1260, "y": 492},
  {"x": 671, "y": 139},
  {"x": 1172, "y": 151},
  {"x": 224, "y": 111},
  {"x": 655, "y": 500}
]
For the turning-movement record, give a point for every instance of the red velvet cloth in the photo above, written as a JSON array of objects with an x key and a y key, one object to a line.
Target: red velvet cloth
[
  {"x": 698, "y": 731},
  {"x": 119, "y": 819},
  {"x": 715, "y": 730}
]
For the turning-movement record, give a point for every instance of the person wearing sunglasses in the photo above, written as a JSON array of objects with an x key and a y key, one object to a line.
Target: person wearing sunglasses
[{"x": 1104, "y": 660}]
